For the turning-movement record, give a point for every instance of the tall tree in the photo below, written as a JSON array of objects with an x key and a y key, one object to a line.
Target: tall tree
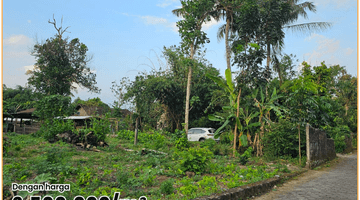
[
  {"x": 195, "y": 13},
  {"x": 227, "y": 10},
  {"x": 18, "y": 98},
  {"x": 286, "y": 13},
  {"x": 60, "y": 64}
]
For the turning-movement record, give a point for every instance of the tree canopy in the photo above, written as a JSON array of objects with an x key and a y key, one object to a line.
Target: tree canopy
[{"x": 61, "y": 66}]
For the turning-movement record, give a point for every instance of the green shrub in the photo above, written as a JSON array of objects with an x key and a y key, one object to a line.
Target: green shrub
[
  {"x": 100, "y": 128},
  {"x": 167, "y": 187},
  {"x": 50, "y": 128},
  {"x": 6, "y": 146},
  {"x": 151, "y": 140},
  {"x": 211, "y": 145},
  {"x": 208, "y": 183},
  {"x": 195, "y": 159},
  {"x": 244, "y": 158},
  {"x": 283, "y": 139},
  {"x": 182, "y": 143},
  {"x": 338, "y": 133}
]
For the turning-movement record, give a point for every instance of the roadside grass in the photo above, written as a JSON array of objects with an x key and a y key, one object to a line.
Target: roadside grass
[{"x": 123, "y": 167}]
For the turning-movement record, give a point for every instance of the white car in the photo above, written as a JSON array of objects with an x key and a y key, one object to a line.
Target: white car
[{"x": 201, "y": 134}]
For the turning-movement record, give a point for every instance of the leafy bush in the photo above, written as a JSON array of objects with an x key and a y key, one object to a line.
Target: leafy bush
[
  {"x": 338, "y": 133},
  {"x": 6, "y": 145},
  {"x": 182, "y": 143},
  {"x": 195, "y": 159},
  {"x": 151, "y": 140},
  {"x": 208, "y": 183},
  {"x": 100, "y": 128},
  {"x": 167, "y": 187},
  {"x": 244, "y": 158},
  {"x": 50, "y": 128},
  {"x": 211, "y": 145},
  {"x": 178, "y": 134},
  {"x": 283, "y": 139},
  {"x": 106, "y": 191}
]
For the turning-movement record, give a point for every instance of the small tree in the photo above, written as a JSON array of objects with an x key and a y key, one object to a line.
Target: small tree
[
  {"x": 301, "y": 102},
  {"x": 60, "y": 64}
]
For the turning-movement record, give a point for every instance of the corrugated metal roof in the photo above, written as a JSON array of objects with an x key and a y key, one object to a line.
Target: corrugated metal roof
[{"x": 78, "y": 117}]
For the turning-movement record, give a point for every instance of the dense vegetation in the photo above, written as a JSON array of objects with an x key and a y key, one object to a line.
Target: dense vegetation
[{"x": 259, "y": 111}]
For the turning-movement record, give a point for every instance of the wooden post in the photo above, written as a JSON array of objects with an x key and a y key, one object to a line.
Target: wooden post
[
  {"x": 299, "y": 145},
  {"x": 15, "y": 125},
  {"x": 136, "y": 130},
  {"x": 308, "y": 158},
  {"x": 117, "y": 125}
]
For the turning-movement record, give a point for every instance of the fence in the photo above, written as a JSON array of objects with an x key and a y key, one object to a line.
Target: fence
[
  {"x": 26, "y": 129},
  {"x": 319, "y": 148}
]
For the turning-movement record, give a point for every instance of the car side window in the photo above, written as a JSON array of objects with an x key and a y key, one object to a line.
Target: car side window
[{"x": 199, "y": 131}]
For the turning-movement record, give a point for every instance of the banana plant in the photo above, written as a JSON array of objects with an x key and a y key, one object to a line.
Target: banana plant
[
  {"x": 233, "y": 110},
  {"x": 265, "y": 105}
]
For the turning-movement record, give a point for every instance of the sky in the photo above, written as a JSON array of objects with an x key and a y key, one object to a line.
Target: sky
[{"x": 127, "y": 37}]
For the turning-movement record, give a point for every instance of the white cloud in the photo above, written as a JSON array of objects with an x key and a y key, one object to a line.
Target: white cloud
[
  {"x": 328, "y": 49},
  {"x": 29, "y": 67},
  {"x": 207, "y": 25},
  {"x": 166, "y": 3},
  {"x": 15, "y": 54},
  {"x": 349, "y": 51},
  {"x": 152, "y": 20},
  {"x": 17, "y": 40},
  {"x": 337, "y": 3}
]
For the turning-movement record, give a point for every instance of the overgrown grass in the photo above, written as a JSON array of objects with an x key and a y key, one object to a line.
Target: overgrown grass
[{"x": 116, "y": 169}]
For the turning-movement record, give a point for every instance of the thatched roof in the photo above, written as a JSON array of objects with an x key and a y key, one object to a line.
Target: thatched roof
[{"x": 93, "y": 110}]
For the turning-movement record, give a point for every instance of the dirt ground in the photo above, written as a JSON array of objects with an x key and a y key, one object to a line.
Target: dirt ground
[{"x": 301, "y": 179}]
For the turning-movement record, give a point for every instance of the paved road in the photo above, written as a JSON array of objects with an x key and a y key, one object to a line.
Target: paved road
[{"x": 339, "y": 183}]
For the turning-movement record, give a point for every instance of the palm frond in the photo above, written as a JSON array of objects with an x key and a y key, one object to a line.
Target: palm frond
[
  {"x": 308, "y": 27},
  {"x": 178, "y": 12}
]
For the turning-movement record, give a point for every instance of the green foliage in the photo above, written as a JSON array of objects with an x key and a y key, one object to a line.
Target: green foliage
[
  {"x": 54, "y": 162},
  {"x": 50, "y": 128},
  {"x": 84, "y": 177},
  {"x": 182, "y": 143},
  {"x": 122, "y": 178},
  {"x": 49, "y": 107},
  {"x": 157, "y": 92},
  {"x": 338, "y": 133},
  {"x": 106, "y": 191},
  {"x": 244, "y": 158},
  {"x": 19, "y": 98},
  {"x": 195, "y": 159},
  {"x": 6, "y": 146},
  {"x": 100, "y": 128},
  {"x": 167, "y": 187},
  {"x": 208, "y": 183},
  {"x": 151, "y": 140},
  {"x": 59, "y": 64},
  {"x": 282, "y": 139},
  {"x": 211, "y": 145}
]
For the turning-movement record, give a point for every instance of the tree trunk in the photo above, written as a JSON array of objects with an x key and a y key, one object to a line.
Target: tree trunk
[
  {"x": 187, "y": 102},
  {"x": 259, "y": 148},
  {"x": 268, "y": 60},
  {"x": 136, "y": 131},
  {"x": 299, "y": 145},
  {"x": 227, "y": 48},
  {"x": 346, "y": 109},
  {"x": 237, "y": 116}
]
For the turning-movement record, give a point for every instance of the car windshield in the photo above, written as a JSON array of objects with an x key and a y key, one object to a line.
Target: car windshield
[{"x": 211, "y": 130}]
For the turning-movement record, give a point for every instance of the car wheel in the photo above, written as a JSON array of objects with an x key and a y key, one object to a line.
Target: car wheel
[{"x": 202, "y": 140}]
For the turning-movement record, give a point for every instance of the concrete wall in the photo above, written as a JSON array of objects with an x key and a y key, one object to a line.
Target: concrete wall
[{"x": 319, "y": 148}]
